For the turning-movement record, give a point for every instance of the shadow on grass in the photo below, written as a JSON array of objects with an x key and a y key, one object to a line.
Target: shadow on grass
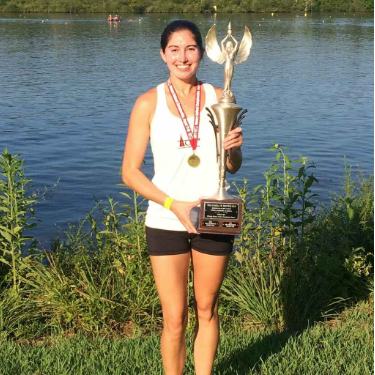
[{"x": 242, "y": 360}]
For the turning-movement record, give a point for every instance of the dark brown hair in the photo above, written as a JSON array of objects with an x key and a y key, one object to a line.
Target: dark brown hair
[{"x": 181, "y": 25}]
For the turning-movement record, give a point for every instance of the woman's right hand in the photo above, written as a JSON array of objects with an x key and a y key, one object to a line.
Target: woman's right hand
[{"x": 182, "y": 211}]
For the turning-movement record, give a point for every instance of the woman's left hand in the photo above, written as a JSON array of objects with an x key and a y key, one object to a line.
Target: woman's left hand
[{"x": 234, "y": 139}]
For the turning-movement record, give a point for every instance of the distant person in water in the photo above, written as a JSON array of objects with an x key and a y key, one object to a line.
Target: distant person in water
[
  {"x": 110, "y": 19},
  {"x": 117, "y": 18}
]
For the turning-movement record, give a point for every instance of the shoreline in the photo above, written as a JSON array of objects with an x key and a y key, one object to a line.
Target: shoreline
[{"x": 192, "y": 12}]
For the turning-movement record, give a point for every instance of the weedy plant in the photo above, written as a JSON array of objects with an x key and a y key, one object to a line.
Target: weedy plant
[
  {"x": 333, "y": 266},
  {"x": 99, "y": 280},
  {"x": 275, "y": 219},
  {"x": 285, "y": 274},
  {"x": 16, "y": 216}
]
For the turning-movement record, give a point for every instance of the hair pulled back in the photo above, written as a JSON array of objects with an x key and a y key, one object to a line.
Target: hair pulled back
[{"x": 181, "y": 25}]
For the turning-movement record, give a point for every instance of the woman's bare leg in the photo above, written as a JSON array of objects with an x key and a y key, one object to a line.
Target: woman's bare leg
[
  {"x": 209, "y": 272},
  {"x": 171, "y": 274}
]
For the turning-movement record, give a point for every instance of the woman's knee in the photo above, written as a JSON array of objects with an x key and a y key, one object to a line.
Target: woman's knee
[
  {"x": 206, "y": 310},
  {"x": 176, "y": 323}
]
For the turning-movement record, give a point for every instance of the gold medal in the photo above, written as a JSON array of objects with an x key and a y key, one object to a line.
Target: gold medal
[{"x": 194, "y": 161}]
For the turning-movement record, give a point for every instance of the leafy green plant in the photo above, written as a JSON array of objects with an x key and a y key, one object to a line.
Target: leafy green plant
[
  {"x": 296, "y": 264},
  {"x": 99, "y": 280},
  {"x": 16, "y": 213}
]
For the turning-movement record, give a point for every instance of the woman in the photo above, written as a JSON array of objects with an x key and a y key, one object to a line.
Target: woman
[{"x": 186, "y": 169}]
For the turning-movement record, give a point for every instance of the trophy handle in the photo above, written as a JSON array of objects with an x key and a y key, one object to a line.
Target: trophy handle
[
  {"x": 239, "y": 119},
  {"x": 215, "y": 127}
]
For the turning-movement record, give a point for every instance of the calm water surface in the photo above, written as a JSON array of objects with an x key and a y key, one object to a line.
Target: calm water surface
[{"x": 68, "y": 84}]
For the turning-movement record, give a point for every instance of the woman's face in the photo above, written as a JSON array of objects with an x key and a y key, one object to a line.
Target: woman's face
[{"x": 182, "y": 55}]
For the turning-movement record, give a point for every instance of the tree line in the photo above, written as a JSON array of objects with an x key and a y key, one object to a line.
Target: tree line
[{"x": 183, "y": 6}]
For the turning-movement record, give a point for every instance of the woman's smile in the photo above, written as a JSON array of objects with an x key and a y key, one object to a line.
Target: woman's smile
[{"x": 183, "y": 67}]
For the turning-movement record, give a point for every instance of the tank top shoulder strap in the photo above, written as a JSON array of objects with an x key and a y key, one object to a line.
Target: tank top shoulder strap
[
  {"x": 210, "y": 92},
  {"x": 161, "y": 106},
  {"x": 162, "y": 99}
]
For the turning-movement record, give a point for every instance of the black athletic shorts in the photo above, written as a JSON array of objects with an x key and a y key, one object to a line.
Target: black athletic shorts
[{"x": 171, "y": 242}]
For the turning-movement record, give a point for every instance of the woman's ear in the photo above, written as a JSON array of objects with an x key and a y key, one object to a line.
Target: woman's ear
[{"x": 162, "y": 54}]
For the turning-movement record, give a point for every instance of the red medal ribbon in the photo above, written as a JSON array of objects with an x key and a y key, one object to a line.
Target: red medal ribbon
[{"x": 192, "y": 136}]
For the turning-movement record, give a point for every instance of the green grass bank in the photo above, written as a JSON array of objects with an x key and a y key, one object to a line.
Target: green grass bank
[
  {"x": 337, "y": 347},
  {"x": 188, "y": 6}
]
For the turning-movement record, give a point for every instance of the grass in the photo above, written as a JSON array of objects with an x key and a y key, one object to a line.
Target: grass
[{"x": 341, "y": 346}]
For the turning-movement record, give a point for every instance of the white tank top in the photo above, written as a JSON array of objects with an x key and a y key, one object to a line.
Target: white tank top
[{"x": 171, "y": 150}]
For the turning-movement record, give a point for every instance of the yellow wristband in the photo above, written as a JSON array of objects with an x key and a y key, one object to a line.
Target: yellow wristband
[{"x": 167, "y": 203}]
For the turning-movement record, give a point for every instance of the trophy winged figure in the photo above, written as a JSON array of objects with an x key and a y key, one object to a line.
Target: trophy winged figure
[{"x": 230, "y": 53}]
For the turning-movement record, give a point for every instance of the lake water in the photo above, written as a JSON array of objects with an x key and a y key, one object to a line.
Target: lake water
[{"x": 68, "y": 83}]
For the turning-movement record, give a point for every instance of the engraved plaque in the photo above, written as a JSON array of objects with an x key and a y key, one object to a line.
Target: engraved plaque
[{"x": 220, "y": 217}]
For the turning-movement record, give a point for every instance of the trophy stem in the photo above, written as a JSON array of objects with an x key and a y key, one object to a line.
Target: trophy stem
[
  {"x": 226, "y": 114},
  {"x": 221, "y": 194}
]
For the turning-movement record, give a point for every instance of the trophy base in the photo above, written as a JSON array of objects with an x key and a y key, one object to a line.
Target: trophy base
[{"x": 220, "y": 216}]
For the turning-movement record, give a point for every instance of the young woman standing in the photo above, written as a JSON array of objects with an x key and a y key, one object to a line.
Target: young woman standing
[{"x": 173, "y": 117}]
